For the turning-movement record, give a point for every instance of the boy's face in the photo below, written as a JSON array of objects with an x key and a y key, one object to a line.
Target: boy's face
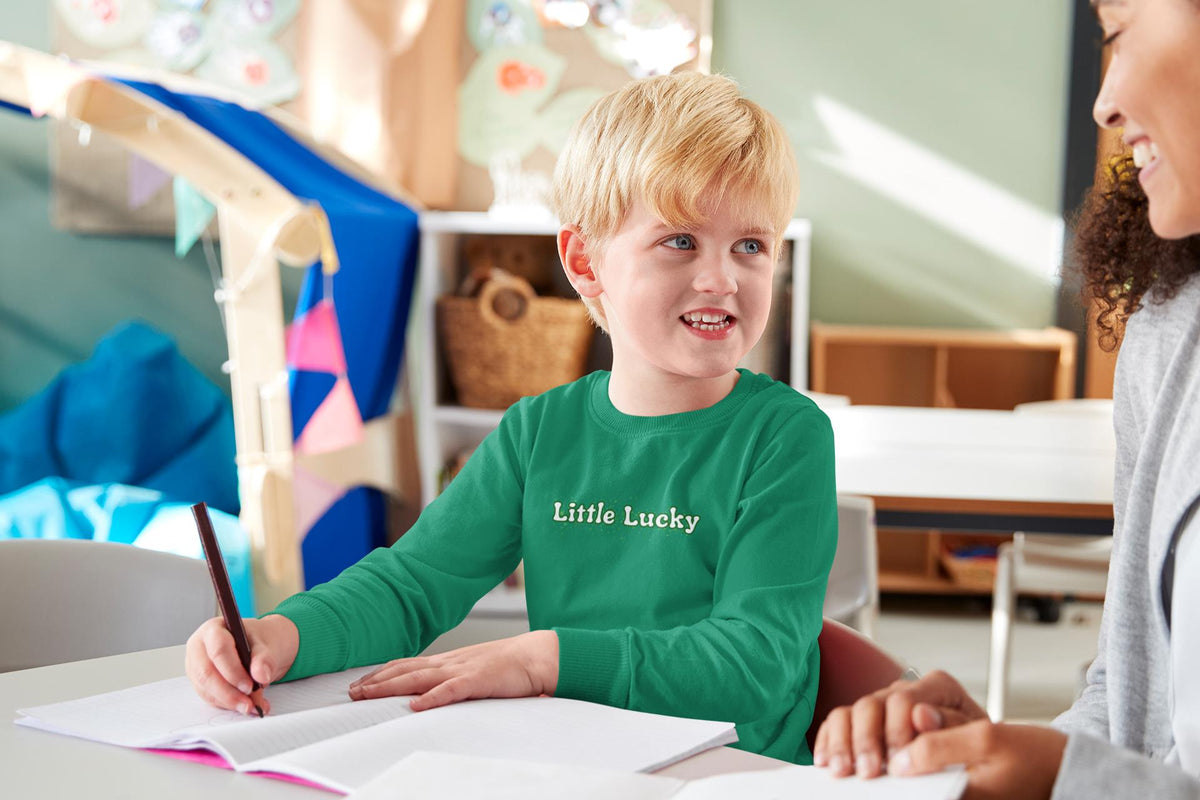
[{"x": 686, "y": 303}]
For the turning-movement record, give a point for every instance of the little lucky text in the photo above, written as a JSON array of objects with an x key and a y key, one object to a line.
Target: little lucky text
[{"x": 597, "y": 514}]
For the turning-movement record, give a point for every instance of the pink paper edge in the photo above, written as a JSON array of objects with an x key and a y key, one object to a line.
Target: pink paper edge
[{"x": 210, "y": 759}]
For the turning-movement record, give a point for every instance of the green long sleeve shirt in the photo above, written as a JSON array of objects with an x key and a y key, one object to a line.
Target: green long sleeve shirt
[{"x": 681, "y": 559}]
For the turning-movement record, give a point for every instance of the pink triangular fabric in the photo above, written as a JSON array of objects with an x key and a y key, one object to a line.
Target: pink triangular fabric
[
  {"x": 312, "y": 497},
  {"x": 335, "y": 424},
  {"x": 314, "y": 343},
  {"x": 145, "y": 180}
]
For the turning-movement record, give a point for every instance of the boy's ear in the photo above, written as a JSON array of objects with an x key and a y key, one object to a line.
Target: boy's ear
[{"x": 577, "y": 262}]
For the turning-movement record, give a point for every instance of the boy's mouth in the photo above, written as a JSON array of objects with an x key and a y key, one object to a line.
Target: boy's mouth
[{"x": 707, "y": 320}]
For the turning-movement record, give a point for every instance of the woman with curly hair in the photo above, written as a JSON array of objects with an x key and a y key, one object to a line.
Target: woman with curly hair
[{"x": 1135, "y": 730}]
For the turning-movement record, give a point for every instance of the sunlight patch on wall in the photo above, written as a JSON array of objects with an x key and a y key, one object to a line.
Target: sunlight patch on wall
[{"x": 977, "y": 210}]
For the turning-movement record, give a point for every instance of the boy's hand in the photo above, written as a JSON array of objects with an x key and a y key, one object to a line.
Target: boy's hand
[
  {"x": 1002, "y": 761},
  {"x": 520, "y": 666},
  {"x": 859, "y": 739},
  {"x": 213, "y": 666}
]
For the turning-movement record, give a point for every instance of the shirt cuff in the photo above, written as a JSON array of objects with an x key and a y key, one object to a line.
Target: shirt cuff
[
  {"x": 593, "y": 666},
  {"x": 323, "y": 646}
]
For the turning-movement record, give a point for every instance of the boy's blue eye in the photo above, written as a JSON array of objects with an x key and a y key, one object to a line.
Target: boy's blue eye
[
  {"x": 749, "y": 246},
  {"x": 680, "y": 241}
]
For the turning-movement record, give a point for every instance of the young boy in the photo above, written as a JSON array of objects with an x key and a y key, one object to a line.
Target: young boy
[{"x": 676, "y": 515}]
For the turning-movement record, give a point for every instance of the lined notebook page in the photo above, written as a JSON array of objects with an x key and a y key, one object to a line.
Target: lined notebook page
[
  {"x": 170, "y": 714},
  {"x": 544, "y": 729}
]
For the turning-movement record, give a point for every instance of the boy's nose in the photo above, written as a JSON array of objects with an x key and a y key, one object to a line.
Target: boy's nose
[{"x": 715, "y": 277}]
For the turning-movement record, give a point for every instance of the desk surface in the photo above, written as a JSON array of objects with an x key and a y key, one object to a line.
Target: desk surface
[
  {"x": 38, "y": 764},
  {"x": 966, "y": 468}
]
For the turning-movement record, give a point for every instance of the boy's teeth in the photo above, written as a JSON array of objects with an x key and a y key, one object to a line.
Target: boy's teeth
[
  {"x": 707, "y": 322},
  {"x": 1144, "y": 153}
]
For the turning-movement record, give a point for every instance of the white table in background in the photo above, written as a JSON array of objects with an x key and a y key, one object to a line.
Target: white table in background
[{"x": 966, "y": 469}]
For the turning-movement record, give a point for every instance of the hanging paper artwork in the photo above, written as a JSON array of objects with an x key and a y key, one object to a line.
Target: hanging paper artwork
[
  {"x": 502, "y": 23},
  {"x": 178, "y": 40},
  {"x": 106, "y": 23},
  {"x": 259, "y": 69},
  {"x": 644, "y": 37},
  {"x": 539, "y": 65},
  {"x": 229, "y": 42}
]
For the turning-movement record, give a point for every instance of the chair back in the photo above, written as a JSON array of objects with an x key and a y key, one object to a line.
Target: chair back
[
  {"x": 851, "y": 666},
  {"x": 852, "y": 595},
  {"x": 72, "y": 599}
]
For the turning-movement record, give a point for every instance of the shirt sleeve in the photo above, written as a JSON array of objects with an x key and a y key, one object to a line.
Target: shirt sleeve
[
  {"x": 1092, "y": 767},
  {"x": 396, "y": 600},
  {"x": 757, "y": 651}
]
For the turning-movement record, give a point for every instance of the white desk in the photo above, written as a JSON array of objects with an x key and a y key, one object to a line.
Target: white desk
[
  {"x": 36, "y": 764},
  {"x": 964, "y": 469}
]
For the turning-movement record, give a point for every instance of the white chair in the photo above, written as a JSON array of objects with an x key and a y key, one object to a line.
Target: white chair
[
  {"x": 1042, "y": 564},
  {"x": 852, "y": 596},
  {"x": 72, "y": 599}
]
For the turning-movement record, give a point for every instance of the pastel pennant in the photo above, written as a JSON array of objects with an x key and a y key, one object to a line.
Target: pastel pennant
[
  {"x": 193, "y": 212},
  {"x": 145, "y": 179},
  {"x": 312, "y": 496},
  {"x": 335, "y": 424},
  {"x": 314, "y": 343}
]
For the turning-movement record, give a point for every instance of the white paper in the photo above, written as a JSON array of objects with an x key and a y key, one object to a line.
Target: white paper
[
  {"x": 548, "y": 730},
  {"x": 435, "y": 776},
  {"x": 314, "y": 731}
]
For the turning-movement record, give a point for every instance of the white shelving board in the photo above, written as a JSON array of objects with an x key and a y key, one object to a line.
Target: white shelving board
[{"x": 444, "y": 430}]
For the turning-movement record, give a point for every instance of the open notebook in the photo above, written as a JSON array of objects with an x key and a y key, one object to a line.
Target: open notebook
[{"x": 316, "y": 733}]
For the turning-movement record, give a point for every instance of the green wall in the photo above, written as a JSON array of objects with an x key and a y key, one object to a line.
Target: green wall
[
  {"x": 976, "y": 87},
  {"x": 979, "y": 86}
]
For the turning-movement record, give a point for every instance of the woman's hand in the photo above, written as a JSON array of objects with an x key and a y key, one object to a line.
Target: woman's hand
[
  {"x": 1015, "y": 762},
  {"x": 520, "y": 666},
  {"x": 216, "y": 672},
  {"x": 860, "y": 739}
]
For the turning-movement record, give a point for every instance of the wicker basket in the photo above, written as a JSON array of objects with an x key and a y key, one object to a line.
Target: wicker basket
[{"x": 508, "y": 343}]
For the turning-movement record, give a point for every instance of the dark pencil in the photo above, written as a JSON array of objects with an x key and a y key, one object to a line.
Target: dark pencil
[{"x": 220, "y": 579}]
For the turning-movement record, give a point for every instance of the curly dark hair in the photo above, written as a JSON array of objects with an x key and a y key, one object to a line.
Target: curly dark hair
[{"x": 1120, "y": 257}]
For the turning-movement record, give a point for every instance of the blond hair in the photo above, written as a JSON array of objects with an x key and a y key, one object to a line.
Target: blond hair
[{"x": 672, "y": 141}]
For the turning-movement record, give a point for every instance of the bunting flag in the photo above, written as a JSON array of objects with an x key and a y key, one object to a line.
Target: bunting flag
[
  {"x": 193, "y": 212},
  {"x": 335, "y": 424},
  {"x": 312, "y": 496},
  {"x": 314, "y": 343},
  {"x": 145, "y": 178}
]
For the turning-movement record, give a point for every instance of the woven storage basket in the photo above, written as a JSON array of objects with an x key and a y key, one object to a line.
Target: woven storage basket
[{"x": 508, "y": 343}]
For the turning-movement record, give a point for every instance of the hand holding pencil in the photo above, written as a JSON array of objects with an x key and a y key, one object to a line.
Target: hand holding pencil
[{"x": 229, "y": 659}]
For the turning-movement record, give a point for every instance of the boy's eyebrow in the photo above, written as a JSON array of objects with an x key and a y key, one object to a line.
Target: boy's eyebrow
[{"x": 752, "y": 230}]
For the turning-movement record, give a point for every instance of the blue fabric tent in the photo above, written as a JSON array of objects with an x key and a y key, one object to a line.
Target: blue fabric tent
[{"x": 376, "y": 238}]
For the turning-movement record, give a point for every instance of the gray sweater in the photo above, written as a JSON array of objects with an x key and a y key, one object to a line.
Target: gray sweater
[{"x": 1120, "y": 737}]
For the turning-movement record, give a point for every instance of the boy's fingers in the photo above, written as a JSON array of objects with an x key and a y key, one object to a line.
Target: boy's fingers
[
  {"x": 866, "y": 738},
  {"x": 837, "y": 751},
  {"x": 445, "y": 693},
  {"x": 219, "y": 649}
]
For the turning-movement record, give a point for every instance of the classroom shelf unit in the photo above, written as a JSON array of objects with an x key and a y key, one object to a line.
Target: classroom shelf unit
[
  {"x": 946, "y": 368},
  {"x": 445, "y": 428}
]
